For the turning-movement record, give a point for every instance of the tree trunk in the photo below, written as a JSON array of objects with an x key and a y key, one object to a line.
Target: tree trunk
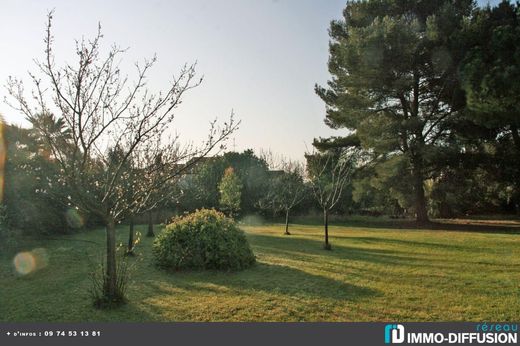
[
  {"x": 417, "y": 158},
  {"x": 287, "y": 222},
  {"x": 111, "y": 272},
  {"x": 421, "y": 214},
  {"x": 131, "y": 236},
  {"x": 326, "y": 225},
  {"x": 516, "y": 141},
  {"x": 150, "y": 225},
  {"x": 420, "y": 201}
]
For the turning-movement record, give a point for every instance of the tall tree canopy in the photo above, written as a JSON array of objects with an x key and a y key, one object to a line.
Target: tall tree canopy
[
  {"x": 230, "y": 190},
  {"x": 395, "y": 85},
  {"x": 491, "y": 79}
]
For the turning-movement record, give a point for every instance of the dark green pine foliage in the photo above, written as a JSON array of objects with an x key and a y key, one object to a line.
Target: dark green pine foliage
[
  {"x": 491, "y": 79},
  {"x": 395, "y": 86}
]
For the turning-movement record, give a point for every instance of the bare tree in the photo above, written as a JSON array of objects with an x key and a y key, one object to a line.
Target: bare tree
[
  {"x": 114, "y": 127},
  {"x": 154, "y": 174},
  {"x": 328, "y": 174},
  {"x": 286, "y": 187}
]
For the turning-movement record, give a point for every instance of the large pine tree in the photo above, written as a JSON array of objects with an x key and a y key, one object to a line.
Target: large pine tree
[{"x": 395, "y": 85}]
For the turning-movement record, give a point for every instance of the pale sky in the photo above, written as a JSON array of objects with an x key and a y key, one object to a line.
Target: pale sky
[{"x": 260, "y": 58}]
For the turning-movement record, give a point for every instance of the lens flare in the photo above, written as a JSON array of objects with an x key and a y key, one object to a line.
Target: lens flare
[
  {"x": 24, "y": 263},
  {"x": 29, "y": 261}
]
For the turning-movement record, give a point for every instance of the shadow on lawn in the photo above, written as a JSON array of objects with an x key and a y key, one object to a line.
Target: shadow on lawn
[
  {"x": 474, "y": 226},
  {"x": 375, "y": 240},
  {"x": 269, "y": 278},
  {"x": 304, "y": 249},
  {"x": 300, "y": 248}
]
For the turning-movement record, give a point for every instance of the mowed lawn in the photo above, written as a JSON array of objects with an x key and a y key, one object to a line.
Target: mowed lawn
[{"x": 372, "y": 274}]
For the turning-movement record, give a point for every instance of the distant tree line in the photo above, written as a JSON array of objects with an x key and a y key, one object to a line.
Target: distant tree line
[{"x": 36, "y": 201}]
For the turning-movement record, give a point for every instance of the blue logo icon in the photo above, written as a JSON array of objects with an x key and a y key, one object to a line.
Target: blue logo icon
[{"x": 394, "y": 334}]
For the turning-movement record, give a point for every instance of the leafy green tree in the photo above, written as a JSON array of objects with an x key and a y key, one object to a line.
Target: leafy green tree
[
  {"x": 230, "y": 189},
  {"x": 462, "y": 191},
  {"x": 395, "y": 85},
  {"x": 491, "y": 79},
  {"x": 200, "y": 189},
  {"x": 35, "y": 197},
  {"x": 382, "y": 186},
  {"x": 253, "y": 173}
]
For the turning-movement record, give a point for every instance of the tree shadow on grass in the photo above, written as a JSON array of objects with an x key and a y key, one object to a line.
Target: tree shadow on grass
[
  {"x": 473, "y": 227},
  {"x": 412, "y": 254},
  {"x": 375, "y": 240},
  {"x": 344, "y": 254},
  {"x": 455, "y": 225},
  {"x": 305, "y": 250},
  {"x": 301, "y": 248},
  {"x": 268, "y": 278}
]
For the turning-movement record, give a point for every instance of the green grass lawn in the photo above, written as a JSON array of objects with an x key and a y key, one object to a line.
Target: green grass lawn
[{"x": 372, "y": 274}]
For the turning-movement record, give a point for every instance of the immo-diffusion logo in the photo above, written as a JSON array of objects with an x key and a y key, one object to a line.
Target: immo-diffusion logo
[
  {"x": 499, "y": 333},
  {"x": 394, "y": 333}
]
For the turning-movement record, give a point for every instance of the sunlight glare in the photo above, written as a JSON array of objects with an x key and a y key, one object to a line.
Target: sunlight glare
[{"x": 29, "y": 261}]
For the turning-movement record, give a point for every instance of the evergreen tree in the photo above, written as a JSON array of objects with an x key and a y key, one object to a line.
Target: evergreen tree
[
  {"x": 491, "y": 79},
  {"x": 230, "y": 189},
  {"x": 395, "y": 85}
]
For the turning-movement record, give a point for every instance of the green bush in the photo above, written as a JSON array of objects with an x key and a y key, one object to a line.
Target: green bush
[{"x": 205, "y": 239}]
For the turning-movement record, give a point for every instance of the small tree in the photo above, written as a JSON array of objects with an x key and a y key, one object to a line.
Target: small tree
[
  {"x": 230, "y": 189},
  {"x": 286, "y": 189},
  {"x": 111, "y": 124},
  {"x": 329, "y": 173}
]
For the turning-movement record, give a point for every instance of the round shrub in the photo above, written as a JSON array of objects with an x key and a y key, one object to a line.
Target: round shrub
[{"x": 205, "y": 239}]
